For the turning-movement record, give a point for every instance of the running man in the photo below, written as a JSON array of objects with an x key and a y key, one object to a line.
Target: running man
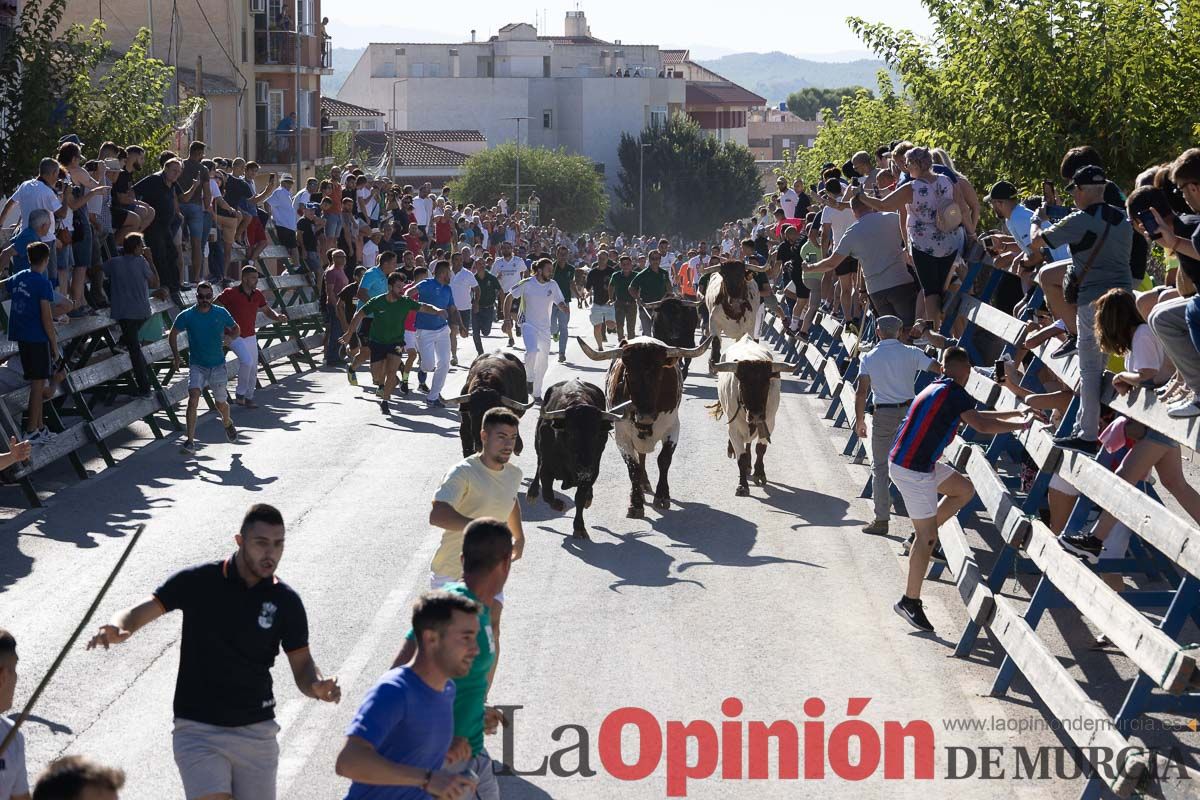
[
  {"x": 373, "y": 283},
  {"x": 539, "y": 295},
  {"x": 243, "y": 303},
  {"x": 603, "y": 315},
  {"x": 487, "y": 559},
  {"x": 389, "y": 311},
  {"x": 402, "y": 732},
  {"x": 206, "y": 326},
  {"x": 434, "y": 332},
  {"x": 236, "y": 616},
  {"x": 510, "y": 270}
]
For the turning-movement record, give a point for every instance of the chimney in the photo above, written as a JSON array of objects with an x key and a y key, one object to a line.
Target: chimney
[
  {"x": 576, "y": 24},
  {"x": 472, "y": 35}
]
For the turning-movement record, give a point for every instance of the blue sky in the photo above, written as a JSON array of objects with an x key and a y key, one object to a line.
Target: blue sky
[{"x": 815, "y": 29}]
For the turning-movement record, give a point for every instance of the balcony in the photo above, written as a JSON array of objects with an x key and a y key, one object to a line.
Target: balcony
[
  {"x": 279, "y": 147},
  {"x": 279, "y": 48}
]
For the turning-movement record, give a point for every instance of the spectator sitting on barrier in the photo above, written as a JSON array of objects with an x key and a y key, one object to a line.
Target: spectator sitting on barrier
[
  {"x": 1020, "y": 223},
  {"x": 1100, "y": 237},
  {"x": 932, "y": 421},
  {"x": 1122, "y": 331}
]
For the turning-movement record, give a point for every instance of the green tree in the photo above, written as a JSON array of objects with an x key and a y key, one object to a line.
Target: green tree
[
  {"x": 811, "y": 100},
  {"x": 569, "y": 188},
  {"x": 692, "y": 182},
  {"x": 865, "y": 123},
  {"x": 1007, "y": 87}
]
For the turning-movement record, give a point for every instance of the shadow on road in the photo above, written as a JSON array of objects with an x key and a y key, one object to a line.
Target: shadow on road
[
  {"x": 723, "y": 538},
  {"x": 630, "y": 560},
  {"x": 815, "y": 508}
]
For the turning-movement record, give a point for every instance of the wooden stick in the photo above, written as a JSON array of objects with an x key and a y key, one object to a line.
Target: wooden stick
[{"x": 71, "y": 642}]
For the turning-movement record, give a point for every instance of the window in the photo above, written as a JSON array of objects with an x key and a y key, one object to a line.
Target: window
[
  {"x": 274, "y": 108},
  {"x": 658, "y": 117},
  {"x": 548, "y": 119},
  {"x": 368, "y": 125},
  {"x": 435, "y": 70},
  {"x": 483, "y": 67},
  {"x": 304, "y": 17},
  {"x": 787, "y": 143},
  {"x": 416, "y": 70},
  {"x": 546, "y": 69}
]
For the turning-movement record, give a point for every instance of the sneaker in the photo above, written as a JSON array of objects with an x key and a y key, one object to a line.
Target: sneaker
[
  {"x": 188, "y": 447},
  {"x": 454, "y": 361},
  {"x": 248, "y": 403},
  {"x": 511, "y": 343},
  {"x": 562, "y": 359},
  {"x": 352, "y": 376},
  {"x": 436, "y": 403},
  {"x": 79, "y": 312},
  {"x": 913, "y": 611},
  {"x": 1184, "y": 409},
  {"x": 379, "y": 392},
  {"x": 1078, "y": 444},
  {"x": 383, "y": 406},
  {"x": 877, "y": 528},
  {"x": 1070, "y": 345},
  {"x": 46, "y": 435},
  {"x": 1084, "y": 545},
  {"x": 404, "y": 388},
  {"x": 231, "y": 432},
  {"x": 423, "y": 388},
  {"x": 554, "y": 337}
]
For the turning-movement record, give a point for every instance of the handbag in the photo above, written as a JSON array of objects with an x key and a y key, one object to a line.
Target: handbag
[
  {"x": 949, "y": 216},
  {"x": 1074, "y": 281}
]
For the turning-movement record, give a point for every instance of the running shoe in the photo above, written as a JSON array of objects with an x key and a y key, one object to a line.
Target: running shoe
[
  {"x": 379, "y": 392},
  {"x": 231, "y": 432},
  {"x": 404, "y": 390},
  {"x": 878, "y": 527},
  {"x": 1069, "y": 345},
  {"x": 423, "y": 388},
  {"x": 383, "y": 406},
  {"x": 1184, "y": 409},
  {"x": 188, "y": 447},
  {"x": 1078, "y": 444},
  {"x": 1084, "y": 545},
  {"x": 352, "y": 376},
  {"x": 436, "y": 403},
  {"x": 913, "y": 611}
]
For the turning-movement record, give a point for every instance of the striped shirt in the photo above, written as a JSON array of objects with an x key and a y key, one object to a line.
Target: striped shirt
[{"x": 931, "y": 423}]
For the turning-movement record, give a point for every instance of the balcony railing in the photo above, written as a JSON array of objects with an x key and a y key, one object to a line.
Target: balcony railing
[
  {"x": 279, "y": 47},
  {"x": 279, "y": 147}
]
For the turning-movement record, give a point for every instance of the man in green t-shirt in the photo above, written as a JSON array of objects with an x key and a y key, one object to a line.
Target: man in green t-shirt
[
  {"x": 389, "y": 312},
  {"x": 649, "y": 286},
  {"x": 624, "y": 305},
  {"x": 564, "y": 276},
  {"x": 483, "y": 313},
  {"x": 486, "y": 558}
]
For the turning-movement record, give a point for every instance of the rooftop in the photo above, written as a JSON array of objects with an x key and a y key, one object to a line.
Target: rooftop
[
  {"x": 672, "y": 57},
  {"x": 340, "y": 108},
  {"x": 713, "y": 93},
  {"x": 408, "y": 151}
]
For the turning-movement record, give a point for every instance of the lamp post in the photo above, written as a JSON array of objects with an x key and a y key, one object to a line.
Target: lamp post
[
  {"x": 517, "y": 190},
  {"x": 641, "y": 171},
  {"x": 387, "y": 141}
]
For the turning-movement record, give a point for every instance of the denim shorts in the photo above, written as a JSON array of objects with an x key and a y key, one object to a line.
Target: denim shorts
[{"x": 193, "y": 217}]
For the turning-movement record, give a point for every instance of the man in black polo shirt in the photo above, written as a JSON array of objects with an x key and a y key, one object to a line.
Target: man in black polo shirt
[{"x": 236, "y": 615}]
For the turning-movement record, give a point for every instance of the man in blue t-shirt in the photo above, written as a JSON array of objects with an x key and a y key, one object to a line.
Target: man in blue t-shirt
[
  {"x": 31, "y": 326},
  {"x": 433, "y": 333},
  {"x": 207, "y": 327},
  {"x": 397, "y": 743},
  {"x": 931, "y": 424}
]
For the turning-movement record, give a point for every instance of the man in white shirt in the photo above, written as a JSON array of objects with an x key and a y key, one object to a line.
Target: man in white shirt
[
  {"x": 502, "y": 204},
  {"x": 787, "y": 198},
  {"x": 538, "y": 294},
  {"x": 465, "y": 288},
  {"x": 889, "y": 372},
  {"x": 509, "y": 270},
  {"x": 305, "y": 195},
  {"x": 38, "y": 193},
  {"x": 1019, "y": 220},
  {"x": 423, "y": 209},
  {"x": 14, "y": 782},
  {"x": 284, "y": 213}
]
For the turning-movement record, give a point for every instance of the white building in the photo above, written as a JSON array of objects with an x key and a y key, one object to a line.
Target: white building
[{"x": 565, "y": 85}]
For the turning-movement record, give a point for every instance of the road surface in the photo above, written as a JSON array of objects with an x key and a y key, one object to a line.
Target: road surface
[{"x": 771, "y": 599}]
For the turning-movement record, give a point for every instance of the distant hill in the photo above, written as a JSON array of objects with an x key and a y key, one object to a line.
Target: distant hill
[
  {"x": 772, "y": 75},
  {"x": 776, "y": 75}
]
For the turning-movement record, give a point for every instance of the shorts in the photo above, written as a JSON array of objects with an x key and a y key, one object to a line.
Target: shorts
[
  {"x": 1062, "y": 486},
  {"x": 438, "y": 581},
  {"x": 36, "y": 360},
  {"x": 242, "y": 761},
  {"x": 256, "y": 234},
  {"x": 380, "y": 351},
  {"x": 848, "y": 267},
  {"x": 333, "y": 225},
  {"x": 920, "y": 489},
  {"x": 119, "y": 216},
  {"x": 482, "y": 766},
  {"x": 932, "y": 271},
  {"x": 286, "y": 237},
  {"x": 193, "y": 217},
  {"x": 215, "y": 379},
  {"x": 897, "y": 301},
  {"x": 603, "y": 314}
]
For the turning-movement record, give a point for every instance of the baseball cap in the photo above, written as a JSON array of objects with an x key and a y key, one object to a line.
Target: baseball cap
[
  {"x": 1001, "y": 190},
  {"x": 1091, "y": 175},
  {"x": 71, "y": 137}
]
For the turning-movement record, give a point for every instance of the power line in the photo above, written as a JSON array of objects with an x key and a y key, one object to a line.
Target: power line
[{"x": 237, "y": 72}]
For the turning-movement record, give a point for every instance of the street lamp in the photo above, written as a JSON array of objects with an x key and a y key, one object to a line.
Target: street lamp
[
  {"x": 517, "y": 190},
  {"x": 387, "y": 142},
  {"x": 641, "y": 171}
]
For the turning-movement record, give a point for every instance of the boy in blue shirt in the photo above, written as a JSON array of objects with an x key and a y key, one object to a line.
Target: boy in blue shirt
[{"x": 31, "y": 326}]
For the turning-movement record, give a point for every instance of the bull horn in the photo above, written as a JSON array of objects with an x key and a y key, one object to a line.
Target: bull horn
[
  {"x": 618, "y": 412},
  {"x": 781, "y": 366},
  {"x": 684, "y": 352},
  {"x": 726, "y": 366},
  {"x": 709, "y": 269},
  {"x": 696, "y": 302},
  {"x": 558, "y": 413},
  {"x": 520, "y": 408},
  {"x": 652, "y": 305},
  {"x": 597, "y": 355},
  {"x": 756, "y": 268},
  {"x": 462, "y": 398}
]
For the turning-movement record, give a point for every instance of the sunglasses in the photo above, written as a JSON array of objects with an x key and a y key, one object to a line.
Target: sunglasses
[{"x": 204, "y": 296}]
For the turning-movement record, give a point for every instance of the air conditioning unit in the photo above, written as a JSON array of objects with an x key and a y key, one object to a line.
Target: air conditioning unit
[
  {"x": 258, "y": 6},
  {"x": 400, "y": 51},
  {"x": 260, "y": 91}
]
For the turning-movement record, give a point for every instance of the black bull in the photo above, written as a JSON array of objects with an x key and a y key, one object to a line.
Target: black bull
[
  {"x": 675, "y": 322},
  {"x": 571, "y": 434},
  {"x": 495, "y": 379}
]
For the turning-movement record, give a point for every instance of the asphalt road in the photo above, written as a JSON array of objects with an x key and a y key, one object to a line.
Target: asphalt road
[{"x": 772, "y": 599}]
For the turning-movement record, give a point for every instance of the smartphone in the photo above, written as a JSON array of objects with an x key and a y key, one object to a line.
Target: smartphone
[
  {"x": 1149, "y": 223},
  {"x": 1056, "y": 213},
  {"x": 999, "y": 374}
]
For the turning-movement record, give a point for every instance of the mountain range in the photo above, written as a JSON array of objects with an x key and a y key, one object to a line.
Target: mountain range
[{"x": 773, "y": 75}]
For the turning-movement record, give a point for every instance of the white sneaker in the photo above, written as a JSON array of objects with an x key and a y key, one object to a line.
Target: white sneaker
[{"x": 1185, "y": 409}]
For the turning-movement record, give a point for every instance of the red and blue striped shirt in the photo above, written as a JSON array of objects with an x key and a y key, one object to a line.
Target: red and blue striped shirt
[{"x": 931, "y": 423}]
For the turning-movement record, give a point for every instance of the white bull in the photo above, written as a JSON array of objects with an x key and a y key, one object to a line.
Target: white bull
[
  {"x": 748, "y": 387},
  {"x": 732, "y": 300}
]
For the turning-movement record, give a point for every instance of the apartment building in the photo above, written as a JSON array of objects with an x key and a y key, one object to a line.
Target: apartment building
[
  {"x": 258, "y": 63},
  {"x": 573, "y": 91}
]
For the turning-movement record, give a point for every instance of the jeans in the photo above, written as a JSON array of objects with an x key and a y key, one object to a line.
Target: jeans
[
  {"x": 481, "y": 325},
  {"x": 558, "y": 324},
  {"x": 626, "y": 315},
  {"x": 333, "y": 350},
  {"x": 884, "y": 424},
  {"x": 1091, "y": 373},
  {"x": 166, "y": 258},
  {"x": 434, "y": 348},
  {"x": 246, "y": 349},
  {"x": 132, "y": 342},
  {"x": 647, "y": 321},
  {"x": 1169, "y": 322}
]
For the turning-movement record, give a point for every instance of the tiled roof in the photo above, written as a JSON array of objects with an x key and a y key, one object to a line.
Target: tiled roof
[
  {"x": 213, "y": 84},
  {"x": 340, "y": 108},
  {"x": 672, "y": 57},
  {"x": 704, "y": 94},
  {"x": 445, "y": 136},
  {"x": 409, "y": 152}
]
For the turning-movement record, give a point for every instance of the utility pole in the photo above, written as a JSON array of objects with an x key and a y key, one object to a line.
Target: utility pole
[
  {"x": 641, "y": 171},
  {"x": 387, "y": 141},
  {"x": 297, "y": 129},
  {"x": 517, "y": 190}
]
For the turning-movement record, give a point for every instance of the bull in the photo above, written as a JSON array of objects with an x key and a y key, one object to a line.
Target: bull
[
  {"x": 494, "y": 379},
  {"x": 571, "y": 433},
  {"x": 675, "y": 321},
  {"x": 732, "y": 301},
  {"x": 645, "y": 374},
  {"x": 748, "y": 399}
]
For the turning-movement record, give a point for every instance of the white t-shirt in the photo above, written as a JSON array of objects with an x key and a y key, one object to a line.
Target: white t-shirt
[
  {"x": 282, "y": 210},
  {"x": 214, "y": 191},
  {"x": 461, "y": 284},
  {"x": 1146, "y": 353},
  {"x": 839, "y": 221},
  {"x": 537, "y": 299},
  {"x": 13, "y": 778},
  {"x": 788, "y": 201},
  {"x": 892, "y": 367},
  {"x": 508, "y": 271},
  {"x": 502, "y": 204},
  {"x": 370, "y": 253},
  {"x": 32, "y": 195},
  {"x": 423, "y": 209},
  {"x": 302, "y": 198},
  {"x": 726, "y": 246},
  {"x": 1020, "y": 226}
]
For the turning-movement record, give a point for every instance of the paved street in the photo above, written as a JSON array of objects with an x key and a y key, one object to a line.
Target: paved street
[{"x": 772, "y": 599}]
